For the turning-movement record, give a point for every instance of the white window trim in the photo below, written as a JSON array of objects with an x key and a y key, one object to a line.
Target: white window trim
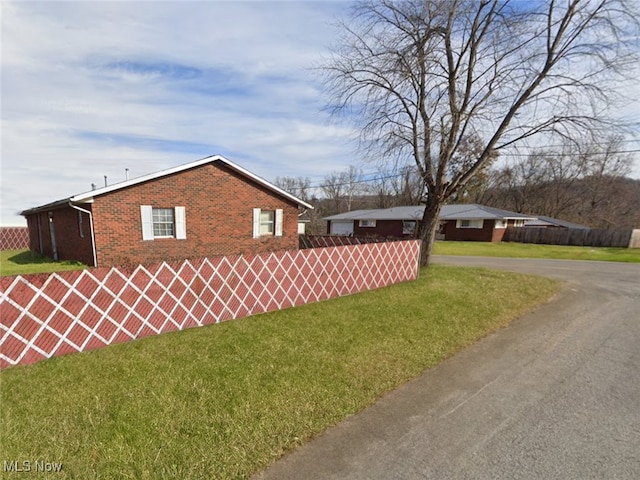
[
  {"x": 179, "y": 226},
  {"x": 278, "y": 220},
  {"x": 256, "y": 223},
  {"x": 146, "y": 214},
  {"x": 473, "y": 223},
  {"x": 406, "y": 230},
  {"x": 267, "y": 222},
  {"x": 367, "y": 223},
  {"x": 180, "y": 219},
  {"x": 503, "y": 223},
  {"x": 163, "y": 223}
]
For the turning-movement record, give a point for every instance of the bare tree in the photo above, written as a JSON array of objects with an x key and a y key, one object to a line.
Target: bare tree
[
  {"x": 333, "y": 189},
  {"x": 577, "y": 181},
  {"x": 602, "y": 200},
  {"x": 473, "y": 190},
  {"x": 298, "y": 186},
  {"x": 421, "y": 76},
  {"x": 519, "y": 185},
  {"x": 341, "y": 188},
  {"x": 380, "y": 189},
  {"x": 352, "y": 178},
  {"x": 407, "y": 186}
]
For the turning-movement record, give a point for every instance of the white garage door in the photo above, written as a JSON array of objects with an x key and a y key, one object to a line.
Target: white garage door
[{"x": 342, "y": 228}]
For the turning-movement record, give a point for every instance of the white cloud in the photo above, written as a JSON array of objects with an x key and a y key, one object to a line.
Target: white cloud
[{"x": 92, "y": 88}]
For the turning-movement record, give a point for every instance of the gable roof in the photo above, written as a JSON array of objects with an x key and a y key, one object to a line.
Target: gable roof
[
  {"x": 87, "y": 197},
  {"x": 470, "y": 211},
  {"x": 394, "y": 213},
  {"x": 474, "y": 211}
]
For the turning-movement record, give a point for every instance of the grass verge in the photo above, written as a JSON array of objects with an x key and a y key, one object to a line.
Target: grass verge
[
  {"x": 227, "y": 400},
  {"x": 23, "y": 262},
  {"x": 529, "y": 250}
]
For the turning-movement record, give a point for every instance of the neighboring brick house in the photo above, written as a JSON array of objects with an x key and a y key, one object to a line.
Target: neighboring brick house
[
  {"x": 388, "y": 222},
  {"x": 457, "y": 222},
  {"x": 209, "y": 207}
]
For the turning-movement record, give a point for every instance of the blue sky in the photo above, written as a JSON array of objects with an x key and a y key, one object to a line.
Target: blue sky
[{"x": 92, "y": 88}]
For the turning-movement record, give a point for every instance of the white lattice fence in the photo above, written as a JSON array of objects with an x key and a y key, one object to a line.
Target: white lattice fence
[
  {"x": 43, "y": 316},
  {"x": 14, "y": 238}
]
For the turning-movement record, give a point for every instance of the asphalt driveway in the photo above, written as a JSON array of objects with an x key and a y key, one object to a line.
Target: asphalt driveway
[{"x": 556, "y": 395}]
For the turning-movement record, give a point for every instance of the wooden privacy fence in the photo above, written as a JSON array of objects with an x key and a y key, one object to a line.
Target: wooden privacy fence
[
  {"x": 43, "y": 316},
  {"x": 570, "y": 236},
  {"x": 14, "y": 238}
]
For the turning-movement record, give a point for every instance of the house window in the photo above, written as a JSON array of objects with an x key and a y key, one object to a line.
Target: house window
[
  {"x": 518, "y": 223},
  {"x": 408, "y": 227},
  {"x": 367, "y": 223},
  {"x": 501, "y": 223},
  {"x": 267, "y": 222},
  {"x": 469, "y": 223},
  {"x": 163, "y": 222}
]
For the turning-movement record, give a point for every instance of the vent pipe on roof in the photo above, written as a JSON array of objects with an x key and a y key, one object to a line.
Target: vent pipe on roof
[
  {"x": 126, "y": 174},
  {"x": 93, "y": 186},
  {"x": 105, "y": 180}
]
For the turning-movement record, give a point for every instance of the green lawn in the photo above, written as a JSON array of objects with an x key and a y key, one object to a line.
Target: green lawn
[
  {"x": 22, "y": 262},
  {"x": 225, "y": 401},
  {"x": 529, "y": 250}
]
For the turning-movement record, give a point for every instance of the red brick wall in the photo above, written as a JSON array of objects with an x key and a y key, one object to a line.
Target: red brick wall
[
  {"x": 384, "y": 228},
  {"x": 70, "y": 245},
  {"x": 498, "y": 233},
  {"x": 34, "y": 223},
  {"x": 484, "y": 234},
  {"x": 219, "y": 211}
]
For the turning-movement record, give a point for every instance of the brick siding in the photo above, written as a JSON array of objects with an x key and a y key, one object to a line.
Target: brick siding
[
  {"x": 484, "y": 234},
  {"x": 219, "y": 211},
  {"x": 73, "y": 238},
  {"x": 384, "y": 228}
]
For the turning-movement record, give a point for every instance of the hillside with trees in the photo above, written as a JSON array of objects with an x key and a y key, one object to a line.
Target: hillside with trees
[{"x": 606, "y": 202}]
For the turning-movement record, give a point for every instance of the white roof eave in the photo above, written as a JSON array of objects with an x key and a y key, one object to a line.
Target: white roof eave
[{"x": 88, "y": 197}]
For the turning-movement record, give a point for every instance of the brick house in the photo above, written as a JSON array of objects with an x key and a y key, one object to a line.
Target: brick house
[
  {"x": 209, "y": 207},
  {"x": 470, "y": 222}
]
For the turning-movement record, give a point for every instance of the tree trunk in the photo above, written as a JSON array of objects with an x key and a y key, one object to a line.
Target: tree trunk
[{"x": 428, "y": 230}]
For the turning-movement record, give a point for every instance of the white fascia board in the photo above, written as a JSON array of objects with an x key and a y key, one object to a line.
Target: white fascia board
[
  {"x": 82, "y": 197},
  {"x": 88, "y": 196}
]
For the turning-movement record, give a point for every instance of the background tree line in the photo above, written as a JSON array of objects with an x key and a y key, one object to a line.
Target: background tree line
[
  {"x": 585, "y": 183},
  {"x": 446, "y": 85}
]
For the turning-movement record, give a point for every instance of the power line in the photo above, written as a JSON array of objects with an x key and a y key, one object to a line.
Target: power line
[
  {"x": 413, "y": 169},
  {"x": 542, "y": 153}
]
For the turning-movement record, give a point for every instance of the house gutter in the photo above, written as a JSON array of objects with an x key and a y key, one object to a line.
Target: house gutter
[{"x": 93, "y": 236}]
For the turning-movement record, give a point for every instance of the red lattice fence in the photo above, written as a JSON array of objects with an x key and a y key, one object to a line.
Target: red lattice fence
[
  {"x": 43, "y": 316},
  {"x": 14, "y": 238}
]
